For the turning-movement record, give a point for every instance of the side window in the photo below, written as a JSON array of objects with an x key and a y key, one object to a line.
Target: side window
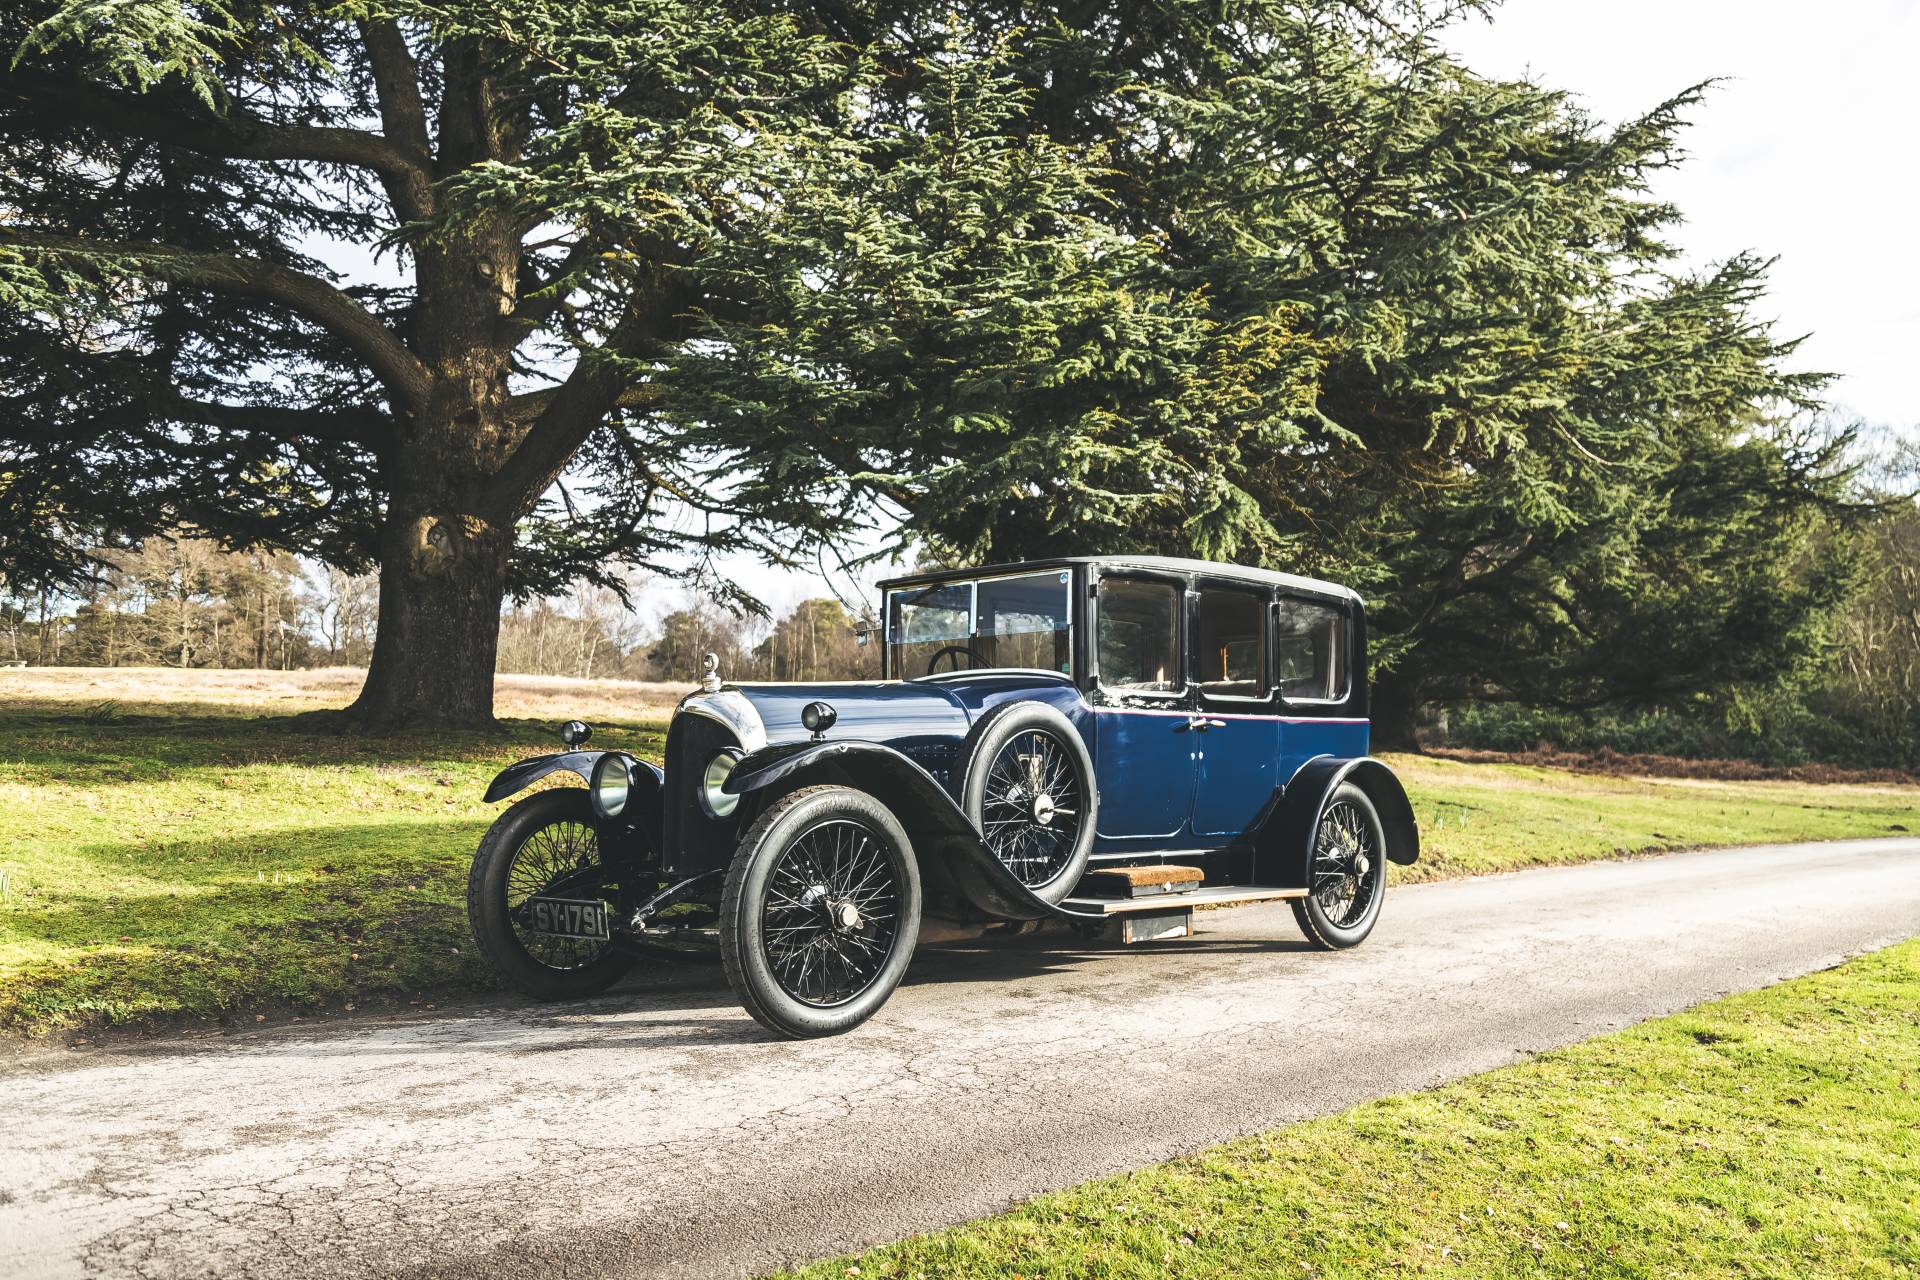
[
  {"x": 1023, "y": 622},
  {"x": 1313, "y": 651},
  {"x": 1139, "y": 636},
  {"x": 925, "y": 621},
  {"x": 1229, "y": 647}
]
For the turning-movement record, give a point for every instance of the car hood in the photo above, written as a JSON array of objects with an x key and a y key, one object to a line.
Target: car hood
[{"x": 877, "y": 711}]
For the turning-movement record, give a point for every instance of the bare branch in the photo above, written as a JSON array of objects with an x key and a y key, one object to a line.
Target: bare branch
[
  {"x": 539, "y": 301},
  {"x": 568, "y": 414},
  {"x": 310, "y": 296},
  {"x": 396, "y": 81}
]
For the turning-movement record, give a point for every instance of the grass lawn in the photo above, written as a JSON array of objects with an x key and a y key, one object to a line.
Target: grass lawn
[
  {"x": 1773, "y": 1134},
  {"x": 1476, "y": 818},
  {"x": 168, "y": 865},
  {"x": 161, "y": 859}
]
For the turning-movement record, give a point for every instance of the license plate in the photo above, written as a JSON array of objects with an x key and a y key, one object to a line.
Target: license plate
[{"x": 568, "y": 917}]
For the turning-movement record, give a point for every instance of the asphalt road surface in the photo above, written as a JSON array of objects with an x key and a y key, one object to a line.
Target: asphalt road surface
[{"x": 657, "y": 1131}]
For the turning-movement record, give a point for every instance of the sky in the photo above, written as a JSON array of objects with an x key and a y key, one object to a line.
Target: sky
[{"x": 1805, "y": 152}]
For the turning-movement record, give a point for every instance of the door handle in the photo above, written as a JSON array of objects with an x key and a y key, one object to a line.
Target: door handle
[{"x": 1200, "y": 724}]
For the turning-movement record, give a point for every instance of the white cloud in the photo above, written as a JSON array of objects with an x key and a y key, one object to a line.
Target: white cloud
[{"x": 1805, "y": 152}]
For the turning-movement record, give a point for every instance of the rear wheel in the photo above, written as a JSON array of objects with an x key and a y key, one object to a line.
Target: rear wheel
[
  {"x": 546, "y": 845},
  {"x": 820, "y": 912},
  {"x": 1347, "y": 880}
]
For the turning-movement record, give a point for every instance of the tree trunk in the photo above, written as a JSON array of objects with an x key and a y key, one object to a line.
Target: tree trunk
[
  {"x": 1394, "y": 705},
  {"x": 442, "y": 579},
  {"x": 449, "y": 529}
]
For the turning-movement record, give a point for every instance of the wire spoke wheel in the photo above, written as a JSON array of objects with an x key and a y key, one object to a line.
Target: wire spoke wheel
[
  {"x": 1032, "y": 805},
  {"x": 1347, "y": 864},
  {"x": 565, "y": 854},
  {"x": 831, "y": 914}
]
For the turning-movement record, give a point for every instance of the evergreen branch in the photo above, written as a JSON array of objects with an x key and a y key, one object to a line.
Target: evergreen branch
[
  {"x": 544, "y": 297},
  {"x": 307, "y": 295},
  {"x": 568, "y": 414},
  {"x": 347, "y": 426},
  {"x": 601, "y": 382},
  {"x": 406, "y": 170}
]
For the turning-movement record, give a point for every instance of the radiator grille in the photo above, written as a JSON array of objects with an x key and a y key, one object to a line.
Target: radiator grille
[{"x": 694, "y": 842}]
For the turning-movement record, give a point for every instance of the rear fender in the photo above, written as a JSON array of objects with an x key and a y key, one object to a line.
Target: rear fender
[
  {"x": 1283, "y": 843},
  {"x": 962, "y": 876}
]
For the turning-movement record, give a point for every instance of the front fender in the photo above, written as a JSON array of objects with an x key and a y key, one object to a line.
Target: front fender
[
  {"x": 954, "y": 861},
  {"x": 518, "y": 777},
  {"x": 641, "y": 820},
  {"x": 1283, "y": 844}
]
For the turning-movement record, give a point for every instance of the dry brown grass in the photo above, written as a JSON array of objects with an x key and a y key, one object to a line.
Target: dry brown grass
[{"x": 171, "y": 690}]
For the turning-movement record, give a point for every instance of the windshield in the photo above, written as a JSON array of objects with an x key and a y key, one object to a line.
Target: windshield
[{"x": 1018, "y": 622}]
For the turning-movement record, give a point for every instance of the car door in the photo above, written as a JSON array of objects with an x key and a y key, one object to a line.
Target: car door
[
  {"x": 1143, "y": 748},
  {"x": 1237, "y": 731}
]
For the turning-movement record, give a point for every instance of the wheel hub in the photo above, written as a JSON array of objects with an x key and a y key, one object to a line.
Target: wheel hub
[
  {"x": 840, "y": 915},
  {"x": 1043, "y": 807}
]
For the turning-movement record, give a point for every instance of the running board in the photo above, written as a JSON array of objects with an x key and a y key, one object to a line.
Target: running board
[{"x": 1220, "y": 895}]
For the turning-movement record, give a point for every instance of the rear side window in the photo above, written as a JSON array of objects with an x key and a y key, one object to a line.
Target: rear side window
[
  {"x": 1229, "y": 647},
  {"x": 1139, "y": 636},
  {"x": 1313, "y": 651}
]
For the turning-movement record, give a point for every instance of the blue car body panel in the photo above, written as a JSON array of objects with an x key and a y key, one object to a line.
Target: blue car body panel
[{"x": 1143, "y": 763}]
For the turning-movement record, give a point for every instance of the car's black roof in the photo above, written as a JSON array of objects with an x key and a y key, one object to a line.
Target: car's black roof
[{"x": 1162, "y": 564}]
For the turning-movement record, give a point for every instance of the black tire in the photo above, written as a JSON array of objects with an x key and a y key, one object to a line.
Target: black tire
[
  {"x": 530, "y": 828},
  {"x": 1046, "y": 856},
  {"x": 796, "y": 844},
  {"x": 1346, "y": 872}
]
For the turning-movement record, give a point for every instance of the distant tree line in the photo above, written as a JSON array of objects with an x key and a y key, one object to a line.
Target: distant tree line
[
  {"x": 186, "y": 602},
  {"x": 591, "y": 633},
  {"x": 1852, "y": 698}
]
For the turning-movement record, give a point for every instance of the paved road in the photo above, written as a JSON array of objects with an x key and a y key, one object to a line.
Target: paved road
[{"x": 656, "y": 1132}]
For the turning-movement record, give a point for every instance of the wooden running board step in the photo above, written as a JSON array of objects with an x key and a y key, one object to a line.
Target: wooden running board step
[
  {"x": 1140, "y": 882},
  {"x": 1220, "y": 895}
]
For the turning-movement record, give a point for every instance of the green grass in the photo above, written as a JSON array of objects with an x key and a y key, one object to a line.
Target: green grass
[
  {"x": 1774, "y": 1134},
  {"x": 1476, "y": 818},
  {"x": 166, "y": 865}
]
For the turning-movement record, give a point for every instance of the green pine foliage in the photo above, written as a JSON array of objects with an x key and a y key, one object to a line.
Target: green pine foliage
[{"x": 1279, "y": 283}]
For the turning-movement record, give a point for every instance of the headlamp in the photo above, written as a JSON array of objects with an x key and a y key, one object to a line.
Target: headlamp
[{"x": 610, "y": 786}]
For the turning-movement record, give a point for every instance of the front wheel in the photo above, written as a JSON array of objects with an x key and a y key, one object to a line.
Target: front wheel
[
  {"x": 545, "y": 846},
  {"x": 1347, "y": 880},
  {"x": 820, "y": 912}
]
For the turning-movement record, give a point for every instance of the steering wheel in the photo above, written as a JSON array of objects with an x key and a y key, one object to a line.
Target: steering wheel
[{"x": 956, "y": 650}]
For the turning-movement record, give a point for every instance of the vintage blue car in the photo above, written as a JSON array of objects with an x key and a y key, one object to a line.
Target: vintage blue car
[{"x": 1104, "y": 742}]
